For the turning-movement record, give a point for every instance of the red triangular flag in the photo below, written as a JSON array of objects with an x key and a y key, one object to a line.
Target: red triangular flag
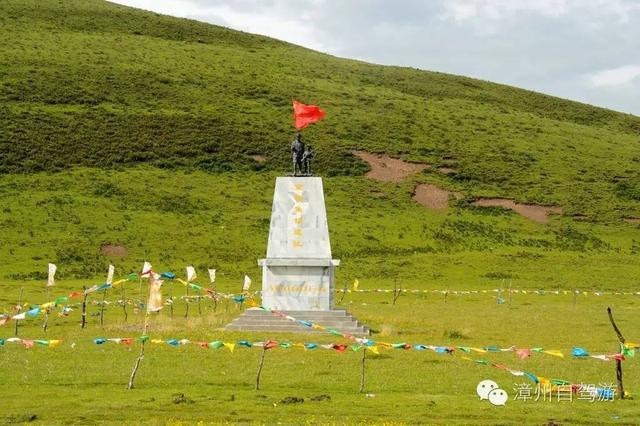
[{"x": 306, "y": 114}]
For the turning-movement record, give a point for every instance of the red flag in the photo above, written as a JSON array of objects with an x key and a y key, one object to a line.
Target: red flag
[{"x": 306, "y": 114}]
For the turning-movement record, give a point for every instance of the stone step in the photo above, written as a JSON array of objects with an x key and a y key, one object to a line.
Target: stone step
[
  {"x": 260, "y": 320},
  {"x": 292, "y": 329},
  {"x": 302, "y": 314},
  {"x": 265, "y": 321}
]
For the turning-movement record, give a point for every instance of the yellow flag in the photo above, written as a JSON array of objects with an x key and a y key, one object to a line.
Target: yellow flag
[
  {"x": 478, "y": 350},
  {"x": 356, "y": 283},
  {"x": 54, "y": 343},
  {"x": 554, "y": 353},
  {"x": 373, "y": 349},
  {"x": 230, "y": 346}
]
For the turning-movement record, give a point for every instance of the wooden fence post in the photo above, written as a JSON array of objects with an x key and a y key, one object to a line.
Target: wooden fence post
[{"x": 618, "y": 362}]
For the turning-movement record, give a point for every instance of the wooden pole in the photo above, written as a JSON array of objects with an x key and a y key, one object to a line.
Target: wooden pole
[
  {"x": 509, "y": 293},
  {"x": 186, "y": 301},
  {"x": 141, "y": 354},
  {"x": 621, "y": 339},
  {"x": 171, "y": 304},
  {"x": 139, "y": 292},
  {"x": 446, "y": 293},
  {"x": 264, "y": 350},
  {"x": 362, "y": 370},
  {"x": 344, "y": 292},
  {"x": 19, "y": 305},
  {"x": 104, "y": 295},
  {"x": 46, "y": 312},
  {"x": 84, "y": 307},
  {"x": 46, "y": 319},
  {"x": 395, "y": 290},
  {"x": 124, "y": 302}
]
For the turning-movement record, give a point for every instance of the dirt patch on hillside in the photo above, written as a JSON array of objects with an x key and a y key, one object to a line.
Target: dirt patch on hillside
[
  {"x": 114, "y": 250},
  {"x": 631, "y": 219},
  {"x": 447, "y": 170},
  {"x": 259, "y": 158},
  {"x": 387, "y": 169},
  {"x": 434, "y": 197},
  {"x": 534, "y": 212}
]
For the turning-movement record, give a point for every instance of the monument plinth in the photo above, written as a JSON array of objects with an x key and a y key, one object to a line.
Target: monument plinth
[{"x": 298, "y": 274}]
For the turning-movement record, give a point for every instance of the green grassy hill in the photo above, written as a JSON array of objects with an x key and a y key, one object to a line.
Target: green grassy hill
[
  {"x": 127, "y": 127},
  {"x": 128, "y": 136}
]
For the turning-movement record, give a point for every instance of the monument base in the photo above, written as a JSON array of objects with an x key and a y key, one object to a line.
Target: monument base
[
  {"x": 256, "y": 319},
  {"x": 298, "y": 284}
]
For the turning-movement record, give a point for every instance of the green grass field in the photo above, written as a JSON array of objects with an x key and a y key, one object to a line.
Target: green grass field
[
  {"x": 127, "y": 128},
  {"x": 85, "y": 383}
]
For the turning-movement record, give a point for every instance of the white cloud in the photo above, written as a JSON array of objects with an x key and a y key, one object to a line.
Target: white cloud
[{"x": 615, "y": 76}]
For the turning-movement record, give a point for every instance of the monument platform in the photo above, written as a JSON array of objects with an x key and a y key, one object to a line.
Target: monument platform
[{"x": 255, "y": 319}]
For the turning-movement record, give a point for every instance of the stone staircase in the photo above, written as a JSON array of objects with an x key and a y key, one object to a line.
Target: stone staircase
[{"x": 256, "y": 319}]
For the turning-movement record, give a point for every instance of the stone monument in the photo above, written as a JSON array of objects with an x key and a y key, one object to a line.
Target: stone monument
[{"x": 298, "y": 274}]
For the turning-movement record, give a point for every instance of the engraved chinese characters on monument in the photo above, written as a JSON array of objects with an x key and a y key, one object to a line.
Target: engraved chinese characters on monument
[{"x": 298, "y": 273}]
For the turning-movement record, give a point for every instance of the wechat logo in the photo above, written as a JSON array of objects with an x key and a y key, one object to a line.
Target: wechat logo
[{"x": 489, "y": 390}]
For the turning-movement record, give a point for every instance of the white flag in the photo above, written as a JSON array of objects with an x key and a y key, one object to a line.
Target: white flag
[
  {"x": 247, "y": 283},
  {"x": 52, "y": 272},
  {"x": 155, "y": 294},
  {"x": 146, "y": 270},
  {"x": 112, "y": 269},
  {"x": 191, "y": 273},
  {"x": 212, "y": 275}
]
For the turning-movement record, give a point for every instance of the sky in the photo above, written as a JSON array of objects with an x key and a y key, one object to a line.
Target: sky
[{"x": 585, "y": 50}]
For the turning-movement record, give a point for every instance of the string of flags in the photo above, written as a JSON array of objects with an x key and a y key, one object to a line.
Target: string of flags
[
  {"x": 154, "y": 304},
  {"x": 545, "y": 384},
  {"x": 627, "y": 349},
  {"x": 499, "y": 291},
  {"x": 549, "y": 386}
]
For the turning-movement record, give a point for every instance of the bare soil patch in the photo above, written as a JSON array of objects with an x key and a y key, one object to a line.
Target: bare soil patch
[
  {"x": 258, "y": 158},
  {"x": 114, "y": 250},
  {"x": 534, "y": 212},
  {"x": 387, "y": 169},
  {"x": 434, "y": 197},
  {"x": 447, "y": 170},
  {"x": 631, "y": 219}
]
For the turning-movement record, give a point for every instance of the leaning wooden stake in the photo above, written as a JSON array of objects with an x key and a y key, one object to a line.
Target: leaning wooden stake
[
  {"x": 364, "y": 358},
  {"x": 46, "y": 313},
  {"x": 140, "y": 355},
  {"x": 84, "y": 307},
  {"x": 171, "y": 304},
  {"x": 186, "y": 301},
  {"x": 19, "y": 305},
  {"x": 264, "y": 350},
  {"x": 45, "y": 324},
  {"x": 124, "y": 302},
  {"x": 142, "y": 343},
  {"x": 621, "y": 339},
  {"x": 104, "y": 295},
  {"x": 344, "y": 292}
]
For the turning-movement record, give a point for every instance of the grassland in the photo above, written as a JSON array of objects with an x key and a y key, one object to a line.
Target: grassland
[
  {"x": 85, "y": 383},
  {"x": 128, "y": 128}
]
